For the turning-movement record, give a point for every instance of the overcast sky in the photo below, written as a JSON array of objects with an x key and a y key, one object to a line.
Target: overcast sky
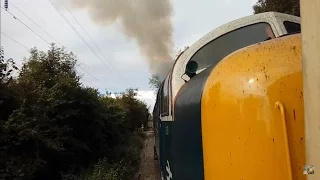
[{"x": 192, "y": 19}]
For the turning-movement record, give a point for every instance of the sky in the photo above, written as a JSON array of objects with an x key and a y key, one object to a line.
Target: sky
[{"x": 121, "y": 65}]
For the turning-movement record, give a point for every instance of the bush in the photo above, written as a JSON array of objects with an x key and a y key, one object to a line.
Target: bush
[
  {"x": 51, "y": 124},
  {"x": 121, "y": 169}
]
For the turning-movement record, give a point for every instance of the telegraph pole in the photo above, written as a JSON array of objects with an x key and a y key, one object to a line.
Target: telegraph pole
[{"x": 310, "y": 25}]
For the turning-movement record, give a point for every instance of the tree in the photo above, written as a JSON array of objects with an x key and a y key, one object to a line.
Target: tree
[
  {"x": 7, "y": 99},
  {"x": 50, "y": 123},
  {"x": 48, "y": 119},
  {"x": 57, "y": 122},
  {"x": 283, "y": 6},
  {"x": 154, "y": 82},
  {"x": 180, "y": 51},
  {"x": 136, "y": 111}
]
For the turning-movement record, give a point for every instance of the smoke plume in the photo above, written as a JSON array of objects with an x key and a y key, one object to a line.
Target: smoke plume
[{"x": 146, "y": 21}]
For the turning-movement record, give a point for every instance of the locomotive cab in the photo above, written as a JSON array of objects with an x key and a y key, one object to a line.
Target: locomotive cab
[{"x": 233, "y": 101}]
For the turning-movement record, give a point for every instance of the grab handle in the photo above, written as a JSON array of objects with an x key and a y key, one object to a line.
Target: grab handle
[{"x": 280, "y": 106}]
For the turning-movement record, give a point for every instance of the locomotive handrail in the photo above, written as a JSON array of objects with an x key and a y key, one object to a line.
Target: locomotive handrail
[{"x": 279, "y": 105}]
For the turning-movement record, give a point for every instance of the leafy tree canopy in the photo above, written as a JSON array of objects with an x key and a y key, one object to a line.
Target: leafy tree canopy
[
  {"x": 154, "y": 82},
  {"x": 51, "y": 123},
  {"x": 283, "y": 6}
]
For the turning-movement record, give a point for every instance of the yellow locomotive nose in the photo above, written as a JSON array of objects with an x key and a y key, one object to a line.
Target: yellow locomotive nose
[{"x": 252, "y": 114}]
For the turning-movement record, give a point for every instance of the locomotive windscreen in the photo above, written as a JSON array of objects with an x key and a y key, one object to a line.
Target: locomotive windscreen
[{"x": 217, "y": 49}]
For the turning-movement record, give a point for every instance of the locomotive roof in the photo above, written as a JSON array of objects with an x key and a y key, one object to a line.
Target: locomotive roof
[
  {"x": 268, "y": 17},
  {"x": 235, "y": 24},
  {"x": 273, "y": 18}
]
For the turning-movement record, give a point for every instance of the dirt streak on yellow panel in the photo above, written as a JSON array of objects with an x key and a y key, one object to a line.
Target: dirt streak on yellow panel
[{"x": 242, "y": 130}]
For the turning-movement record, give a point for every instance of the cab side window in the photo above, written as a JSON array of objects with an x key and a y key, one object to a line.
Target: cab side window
[
  {"x": 165, "y": 97},
  {"x": 292, "y": 27},
  {"x": 156, "y": 110},
  {"x": 217, "y": 49}
]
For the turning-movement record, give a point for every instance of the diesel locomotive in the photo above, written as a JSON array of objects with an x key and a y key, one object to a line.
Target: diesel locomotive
[{"x": 231, "y": 107}]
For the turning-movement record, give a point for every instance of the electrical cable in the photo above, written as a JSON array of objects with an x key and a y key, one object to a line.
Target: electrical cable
[
  {"x": 94, "y": 43},
  {"x": 29, "y": 51},
  {"x": 15, "y": 41},
  {"x": 77, "y": 33},
  {"x": 36, "y": 24},
  {"x": 89, "y": 38},
  {"x": 25, "y": 25}
]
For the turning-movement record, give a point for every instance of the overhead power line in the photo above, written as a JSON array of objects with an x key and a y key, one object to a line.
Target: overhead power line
[
  {"x": 92, "y": 41},
  {"x": 88, "y": 35},
  {"x": 77, "y": 33},
  {"x": 93, "y": 77},
  {"x": 25, "y": 25},
  {"x": 34, "y": 31},
  {"x": 15, "y": 41},
  {"x": 78, "y": 66},
  {"x": 15, "y": 17},
  {"x": 99, "y": 49},
  {"x": 35, "y": 23},
  {"x": 42, "y": 39}
]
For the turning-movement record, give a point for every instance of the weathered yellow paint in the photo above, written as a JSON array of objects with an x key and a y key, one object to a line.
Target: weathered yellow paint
[{"x": 243, "y": 133}]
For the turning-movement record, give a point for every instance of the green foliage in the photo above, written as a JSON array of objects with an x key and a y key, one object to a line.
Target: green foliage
[
  {"x": 123, "y": 169},
  {"x": 283, "y": 6},
  {"x": 51, "y": 124},
  {"x": 136, "y": 111},
  {"x": 7, "y": 101}
]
